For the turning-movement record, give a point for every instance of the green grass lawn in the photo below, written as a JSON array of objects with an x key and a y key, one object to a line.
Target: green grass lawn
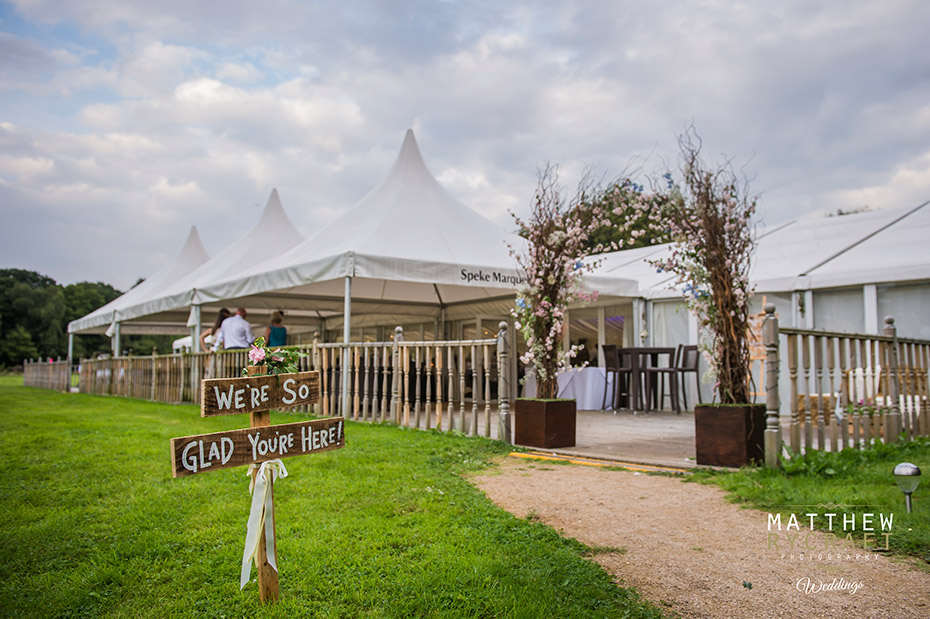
[
  {"x": 94, "y": 524},
  {"x": 851, "y": 483}
]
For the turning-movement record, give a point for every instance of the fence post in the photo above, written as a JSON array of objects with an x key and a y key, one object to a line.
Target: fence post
[
  {"x": 894, "y": 418},
  {"x": 395, "y": 374},
  {"x": 503, "y": 384},
  {"x": 773, "y": 438},
  {"x": 154, "y": 374},
  {"x": 315, "y": 365},
  {"x": 70, "y": 361},
  {"x": 182, "y": 379}
]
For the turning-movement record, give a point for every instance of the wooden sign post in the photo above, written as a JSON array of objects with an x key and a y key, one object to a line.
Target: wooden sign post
[{"x": 261, "y": 442}]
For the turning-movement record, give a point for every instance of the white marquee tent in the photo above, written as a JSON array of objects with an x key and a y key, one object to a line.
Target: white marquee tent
[
  {"x": 408, "y": 250},
  {"x": 159, "y": 304},
  {"x": 841, "y": 273},
  {"x": 272, "y": 235},
  {"x": 191, "y": 257}
]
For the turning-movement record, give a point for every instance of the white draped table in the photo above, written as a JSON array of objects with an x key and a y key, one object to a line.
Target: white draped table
[{"x": 584, "y": 385}]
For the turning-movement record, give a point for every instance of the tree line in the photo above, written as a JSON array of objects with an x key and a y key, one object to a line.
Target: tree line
[{"x": 35, "y": 311}]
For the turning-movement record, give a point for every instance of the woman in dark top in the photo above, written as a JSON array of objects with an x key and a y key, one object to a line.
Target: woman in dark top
[
  {"x": 276, "y": 332},
  {"x": 208, "y": 335}
]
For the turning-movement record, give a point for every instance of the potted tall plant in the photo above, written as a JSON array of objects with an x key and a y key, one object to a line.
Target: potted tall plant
[
  {"x": 708, "y": 217},
  {"x": 552, "y": 263}
]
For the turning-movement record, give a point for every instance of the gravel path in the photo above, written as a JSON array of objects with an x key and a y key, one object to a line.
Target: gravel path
[{"x": 685, "y": 548}]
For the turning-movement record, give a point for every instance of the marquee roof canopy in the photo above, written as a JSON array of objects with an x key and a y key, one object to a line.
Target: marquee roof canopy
[
  {"x": 811, "y": 252},
  {"x": 407, "y": 241},
  {"x": 410, "y": 248},
  {"x": 272, "y": 234},
  {"x": 886, "y": 246},
  {"x": 191, "y": 256}
]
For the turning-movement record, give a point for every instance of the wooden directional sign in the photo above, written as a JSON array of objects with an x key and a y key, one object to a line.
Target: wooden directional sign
[
  {"x": 249, "y": 394},
  {"x": 262, "y": 442},
  {"x": 221, "y": 450}
]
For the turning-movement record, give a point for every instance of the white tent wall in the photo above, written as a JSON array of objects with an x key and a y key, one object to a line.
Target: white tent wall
[
  {"x": 835, "y": 273},
  {"x": 672, "y": 325},
  {"x": 839, "y": 310},
  {"x": 909, "y": 304},
  {"x": 783, "y": 306},
  {"x": 593, "y": 327}
]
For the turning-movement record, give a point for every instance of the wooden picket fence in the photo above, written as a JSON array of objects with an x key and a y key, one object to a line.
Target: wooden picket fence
[
  {"x": 163, "y": 378},
  {"x": 462, "y": 385},
  {"x": 55, "y": 375},
  {"x": 847, "y": 391},
  {"x": 448, "y": 385}
]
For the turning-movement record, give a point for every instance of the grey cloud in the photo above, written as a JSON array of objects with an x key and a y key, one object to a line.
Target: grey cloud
[
  {"x": 22, "y": 60},
  {"x": 817, "y": 102}
]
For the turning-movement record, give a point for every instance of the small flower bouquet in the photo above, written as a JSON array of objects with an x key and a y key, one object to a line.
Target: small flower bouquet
[{"x": 276, "y": 361}]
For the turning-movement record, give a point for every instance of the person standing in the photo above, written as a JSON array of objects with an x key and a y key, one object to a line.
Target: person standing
[
  {"x": 235, "y": 332},
  {"x": 208, "y": 336},
  {"x": 276, "y": 332}
]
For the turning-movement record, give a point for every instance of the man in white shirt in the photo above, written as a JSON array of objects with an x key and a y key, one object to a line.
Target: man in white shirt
[{"x": 235, "y": 333}]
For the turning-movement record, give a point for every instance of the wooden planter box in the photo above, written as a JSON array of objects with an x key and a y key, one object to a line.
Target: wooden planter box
[
  {"x": 730, "y": 436},
  {"x": 544, "y": 423}
]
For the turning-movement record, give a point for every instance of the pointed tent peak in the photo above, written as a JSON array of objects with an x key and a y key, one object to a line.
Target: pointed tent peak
[
  {"x": 273, "y": 208},
  {"x": 193, "y": 250},
  {"x": 191, "y": 257},
  {"x": 274, "y": 201},
  {"x": 410, "y": 142},
  {"x": 409, "y": 158},
  {"x": 410, "y": 215},
  {"x": 272, "y": 234},
  {"x": 275, "y": 222}
]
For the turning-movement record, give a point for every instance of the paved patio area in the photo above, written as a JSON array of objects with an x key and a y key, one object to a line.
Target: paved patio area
[
  {"x": 658, "y": 437},
  {"x": 661, "y": 438}
]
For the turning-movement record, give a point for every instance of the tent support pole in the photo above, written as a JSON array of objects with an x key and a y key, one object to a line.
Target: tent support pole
[
  {"x": 870, "y": 302},
  {"x": 346, "y": 336},
  {"x": 196, "y": 373},
  {"x": 636, "y": 338},
  {"x": 116, "y": 342},
  {"x": 70, "y": 356},
  {"x": 442, "y": 316},
  {"x": 195, "y": 328}
]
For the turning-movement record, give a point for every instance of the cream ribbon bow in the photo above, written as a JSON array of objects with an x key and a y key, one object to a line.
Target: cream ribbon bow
[{"x": 262, "y": 505}]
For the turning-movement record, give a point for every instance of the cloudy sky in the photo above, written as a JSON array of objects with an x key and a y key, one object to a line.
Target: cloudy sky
[{"x": 123, "y": 123}]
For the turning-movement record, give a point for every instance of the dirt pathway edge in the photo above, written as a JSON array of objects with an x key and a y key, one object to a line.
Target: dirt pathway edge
[{"x": 684, "y": 547}]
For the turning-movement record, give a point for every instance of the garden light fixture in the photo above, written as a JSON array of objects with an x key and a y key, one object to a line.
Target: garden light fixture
[{"x": 907, "y": 477}]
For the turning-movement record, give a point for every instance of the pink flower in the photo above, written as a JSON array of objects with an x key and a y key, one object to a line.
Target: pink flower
[{"x": 256, "y": 355}]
